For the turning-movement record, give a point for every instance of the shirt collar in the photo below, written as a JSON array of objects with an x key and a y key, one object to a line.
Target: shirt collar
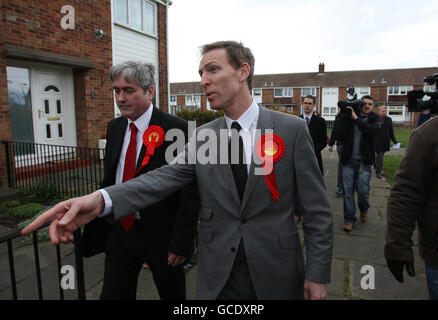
[
  {"x": 142, "y": 122},
  {"x": 247, "y": 118}
]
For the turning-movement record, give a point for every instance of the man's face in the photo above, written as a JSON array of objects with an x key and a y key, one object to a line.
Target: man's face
[
  {"x": 383, "y": 112},
  {"x": 367, "y": 108},
  {"x": 131, "y": 99},
  {"x": 221, "y": 82},
  {"x": 308, "y": 106}
]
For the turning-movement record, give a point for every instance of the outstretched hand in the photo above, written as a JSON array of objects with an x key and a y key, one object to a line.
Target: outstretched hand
[{"x": 68, "y": 216}]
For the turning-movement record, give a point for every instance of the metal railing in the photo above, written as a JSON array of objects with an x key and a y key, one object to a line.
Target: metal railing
[
  {"x": 79, "y": 274},
  {"x": 71, "y": 171}
]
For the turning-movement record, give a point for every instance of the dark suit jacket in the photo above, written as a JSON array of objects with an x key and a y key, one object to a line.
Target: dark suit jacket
[
  {"x": 318, "y": 132},
  {"x": 169, "y": 225},
  {"x": 386, "y": 133}
]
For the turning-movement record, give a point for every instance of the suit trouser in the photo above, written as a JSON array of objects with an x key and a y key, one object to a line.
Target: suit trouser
[
  {"x": 239, "y": 284},
  {"x": 122, "y": 267},
  {"x": 379, "y": 162}
]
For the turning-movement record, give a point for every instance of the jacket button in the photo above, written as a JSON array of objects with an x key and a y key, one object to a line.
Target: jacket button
[
  {"x": 243, "y": 220},
  {"x": 233, "y": 249}
]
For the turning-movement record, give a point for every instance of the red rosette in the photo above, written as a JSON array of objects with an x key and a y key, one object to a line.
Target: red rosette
[
  {"x": 270, "y": 148},
  {"x": 153, "y": 138}
]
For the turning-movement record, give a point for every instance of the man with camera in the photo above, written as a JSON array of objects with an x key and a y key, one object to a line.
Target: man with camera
[{"x": 358, "y": 126}]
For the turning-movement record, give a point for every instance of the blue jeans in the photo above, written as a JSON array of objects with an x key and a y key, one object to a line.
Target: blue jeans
[
  {"x": 355, "y": 177},
  {"x": 432, "y": 282}
]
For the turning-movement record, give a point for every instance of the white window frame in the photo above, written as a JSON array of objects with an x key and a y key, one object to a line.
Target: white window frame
[
  {"x": 332, "y": 111},
  {"x": 193, "y": 100},
  {"x": 401, "y": 108},
  {"x": 172, "y": 100},
  {"x": 401, "y": 90},
  {"x": 428, "y": 88},
  {"x": 313, "y": 92},
  {"x": 285, "y": 93},
  {"x": 143, "y": 15}
]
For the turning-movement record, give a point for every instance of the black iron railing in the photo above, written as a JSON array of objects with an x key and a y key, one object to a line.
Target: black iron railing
[
  {"x": 79, "y": 274},
  {"x": 70, "y": 171}
]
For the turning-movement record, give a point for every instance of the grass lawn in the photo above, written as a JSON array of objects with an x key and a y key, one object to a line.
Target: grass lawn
[
  {"x": 402, "y": 136},
  {"x": 390, "y": 166}
]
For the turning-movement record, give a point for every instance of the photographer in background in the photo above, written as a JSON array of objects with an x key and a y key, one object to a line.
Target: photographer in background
[
  {"x": 382, "y": 141},
  {"x": 357, "y": 131},
  {"x": 414, "y": 199}
]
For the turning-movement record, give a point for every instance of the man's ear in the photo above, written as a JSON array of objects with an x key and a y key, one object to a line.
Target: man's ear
[
  {"x": 150, "y": 91},
  {"x": 245, "y": 71}
]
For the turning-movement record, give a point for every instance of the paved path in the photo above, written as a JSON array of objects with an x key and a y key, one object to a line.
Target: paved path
[{"x": 362, "y": 247}]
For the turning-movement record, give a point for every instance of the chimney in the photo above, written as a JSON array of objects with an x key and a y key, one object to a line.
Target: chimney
[{"x": 321, "y": 67}]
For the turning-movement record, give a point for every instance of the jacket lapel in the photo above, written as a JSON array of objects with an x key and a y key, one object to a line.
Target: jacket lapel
[
  {"x": 265, "y": 122},
  {"x": 116, "y": 143},
  {"x": 155, "y": 120}
]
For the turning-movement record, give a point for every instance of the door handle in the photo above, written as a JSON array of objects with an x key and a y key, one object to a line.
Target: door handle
[{"x": 39, "y": 113}]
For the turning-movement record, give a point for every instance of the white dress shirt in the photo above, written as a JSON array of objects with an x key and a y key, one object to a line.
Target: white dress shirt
[
  {"x": 248, "y": 121},
  {"x": 142, "y": 123}
]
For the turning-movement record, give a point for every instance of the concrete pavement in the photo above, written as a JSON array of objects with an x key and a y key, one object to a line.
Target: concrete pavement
[{"x": 361, "y": 247}]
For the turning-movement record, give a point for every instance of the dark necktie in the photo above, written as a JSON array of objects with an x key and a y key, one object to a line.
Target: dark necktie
[
  {"x": 307, "y": 120},
  {"x": 240, "y": 171},
  {"x": 129, "y": 171}
]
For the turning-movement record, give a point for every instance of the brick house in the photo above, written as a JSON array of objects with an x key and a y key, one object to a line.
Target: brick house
[
  {"x": 54, "y": 61},
  {"x": 286, "y": 91}
]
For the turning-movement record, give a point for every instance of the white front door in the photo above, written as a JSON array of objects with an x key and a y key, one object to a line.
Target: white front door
[{"x": 53, "y": 106}]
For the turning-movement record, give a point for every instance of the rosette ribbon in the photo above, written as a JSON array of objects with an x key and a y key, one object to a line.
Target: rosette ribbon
[
  {"x": 153, "y": 138},
  {"x": 270, "y": 148}
]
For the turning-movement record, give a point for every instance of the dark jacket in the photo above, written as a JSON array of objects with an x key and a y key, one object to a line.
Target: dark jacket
[
  {"x": 169, "y": 225},
  {"x": 414, "y": 199},
  {"x": 334, "y": 136},
  {"x": 369, "y": 129},
  {"x": 384, "y": 135},
  {"x": 318, "y": 132}
]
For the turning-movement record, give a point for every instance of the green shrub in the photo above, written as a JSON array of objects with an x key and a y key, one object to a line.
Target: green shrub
[
  {"x": 6, "y": 206},
  {"x": 44, "y": 192},
  {"x": 42, "y": 234},
  {"x": 27, "y": 210},
  {"x": 201, "y": 117}
]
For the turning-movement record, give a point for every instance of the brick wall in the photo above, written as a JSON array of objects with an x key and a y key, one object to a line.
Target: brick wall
[
  {"x": 162, "y": 57},
  {"x": 36, "y": 25}
]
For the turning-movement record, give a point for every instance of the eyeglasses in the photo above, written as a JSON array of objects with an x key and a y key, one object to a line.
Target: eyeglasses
[
  {"x": 369, "y": 104},
  {"x": 308, "y": 103}
]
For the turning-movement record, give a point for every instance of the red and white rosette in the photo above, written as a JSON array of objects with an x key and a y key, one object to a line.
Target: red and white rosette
[
  {"x": 270, "y": 148},
  {"x": 153, "y": 138}
]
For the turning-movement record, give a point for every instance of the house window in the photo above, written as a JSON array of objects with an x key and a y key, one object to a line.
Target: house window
[
  {"x": 329, "y": 112},
  {"x": 398, "y": 90},
  {"x": 136, "y": 14},
  {"x": 193, "y": 100},
  {"x": 283, "y": 92},
  {"x": 308, "y": 92},
  {"x": 396, "y": 111},
  {"x": 429, "y": 88},
  {"x": 173, "y": 100},
  {"x": 362, "y": 91}
]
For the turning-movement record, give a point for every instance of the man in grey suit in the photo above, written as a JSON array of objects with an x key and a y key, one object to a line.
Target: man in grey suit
[{"x": 249, "y": 247}]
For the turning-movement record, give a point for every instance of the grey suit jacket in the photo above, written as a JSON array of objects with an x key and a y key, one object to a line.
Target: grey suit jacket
[{"x": 272, "y": 244}]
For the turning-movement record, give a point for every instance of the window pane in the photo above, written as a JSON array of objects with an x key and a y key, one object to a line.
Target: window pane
[
  {"x": 149, "y": 18},
  {"x": 60, "y": 130},
  {"x": 48, "y": 131},
  {"x": 122, "y": 11},
  {"x": 46, "y": 107},
  {"x": 278, "y": 92},
  {"x": 58, "y": 106},
  {"x": 20, "y": 104},
  {"x": 135, "y": 17}
]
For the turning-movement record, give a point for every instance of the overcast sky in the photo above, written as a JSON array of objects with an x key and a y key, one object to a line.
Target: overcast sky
[{"x": 288, "y": 36}]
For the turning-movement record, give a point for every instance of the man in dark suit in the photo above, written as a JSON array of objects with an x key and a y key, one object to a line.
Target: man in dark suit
[
  {"x": 317, "y": 128},
  {"x": 162, "y": 235},
  {"x": 381, "y": 141}
]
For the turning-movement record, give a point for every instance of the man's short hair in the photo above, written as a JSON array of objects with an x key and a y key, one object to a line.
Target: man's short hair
[
  {"x": 136, "y": 72},
  {"x": 367, "y": 97},
  {"x": 310, "y": 97},
  {"x": 237, "y": 54}
]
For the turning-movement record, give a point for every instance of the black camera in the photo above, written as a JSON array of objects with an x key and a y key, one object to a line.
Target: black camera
[
  {"x": 416, "y": 98},
  {"x": 352, "y": 102}
]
